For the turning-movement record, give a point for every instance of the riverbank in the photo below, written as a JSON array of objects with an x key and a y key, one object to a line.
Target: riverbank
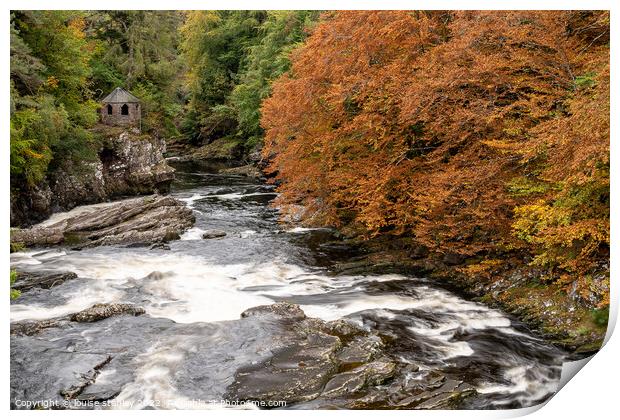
[{"x": 510, "y": 285}]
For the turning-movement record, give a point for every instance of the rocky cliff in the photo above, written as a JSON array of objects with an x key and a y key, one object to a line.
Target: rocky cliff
[{"x": 127, "y": 164}]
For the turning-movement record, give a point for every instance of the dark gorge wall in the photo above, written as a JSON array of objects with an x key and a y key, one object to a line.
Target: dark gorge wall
[{"x": 127, "y": 164}]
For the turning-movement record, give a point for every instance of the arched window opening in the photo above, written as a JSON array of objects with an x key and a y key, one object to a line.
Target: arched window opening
[
  {"x": 109, "y": 109},
  {"x": 124, "y": 110}
]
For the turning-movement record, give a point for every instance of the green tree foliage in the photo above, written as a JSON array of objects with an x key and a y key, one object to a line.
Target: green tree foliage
[
  {"x": 14, "y": 293},
  {"x": 138, "y": 50},
  {"x": 214, "y": 45},
  {"x": 232, "y": 58},
  {"x": 51, "y": 104},
  {"x": 281, "y": 32},
  {"x": 63, "y": 62}
]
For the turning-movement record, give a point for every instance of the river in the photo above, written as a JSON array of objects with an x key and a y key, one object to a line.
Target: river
[{"x": 259, "y": 262}]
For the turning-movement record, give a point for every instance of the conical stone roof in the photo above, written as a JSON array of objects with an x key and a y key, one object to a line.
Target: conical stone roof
[{"x": 120, "y": 95}]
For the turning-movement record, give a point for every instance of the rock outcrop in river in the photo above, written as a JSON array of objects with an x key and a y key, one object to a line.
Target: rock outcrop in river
[
  {"x": 127, "y": 164},
  {"x": 137, "y": 221},
  {"x": 43, "y": 280},
  {"x": 273, "y": 354}
]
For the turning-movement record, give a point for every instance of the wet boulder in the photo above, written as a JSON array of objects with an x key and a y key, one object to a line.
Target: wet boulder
[
  {"x": 444, "y": 396},
  {"x": 309, "y": 365},
  {"x": 101, "y": 311},
  {"x": 359, "y": 351},
  {"x": 371, "y": 374},
  {"x": 33, "y": 327},
  {"x": 97, "y": 312},
  {"x": 281, "y": 310},
  {"x": 213, "y": 233},
  {"x": 297, "y": 372}
]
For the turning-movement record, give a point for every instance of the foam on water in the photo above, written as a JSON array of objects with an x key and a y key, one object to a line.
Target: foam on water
[
  {"x": 152, "y": 386},
  {"x": 194, "y": 289},
  {"x": 189, "y": 201},
  {"x": 182, "y": 288},
  {"x": 299, "y": 229},
  {"x": 193, "y": 234},
  {"x": 80, "y": 210},
  {"x": 189, "y": 289},
  {"x": 35, "y": 257},
  {"x": 98, "y": 291}
]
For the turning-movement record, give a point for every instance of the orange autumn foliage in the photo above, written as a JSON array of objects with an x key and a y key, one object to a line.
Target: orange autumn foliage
[{"x": 445, "y": 126}]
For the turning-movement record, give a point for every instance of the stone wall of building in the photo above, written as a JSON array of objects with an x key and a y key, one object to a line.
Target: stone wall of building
[{"x": 117, "y": 117}]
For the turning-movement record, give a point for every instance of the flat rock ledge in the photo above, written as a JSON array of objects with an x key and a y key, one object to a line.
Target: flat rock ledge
[
  {"x": 136, "y": 221},
  {"x": 273, "y": 353},
  {"x": 338, "y": 365}
]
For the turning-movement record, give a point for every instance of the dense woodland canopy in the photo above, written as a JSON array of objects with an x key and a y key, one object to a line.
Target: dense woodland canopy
[
  {"x": 232, "y": 58},
  {"x": 200, "y": 76},
  {"x": 483, "y": 133},
  {"x": 63, "y": 62}
]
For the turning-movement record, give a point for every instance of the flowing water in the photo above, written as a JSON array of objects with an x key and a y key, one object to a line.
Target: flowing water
[{"x": 260, "y": 262}]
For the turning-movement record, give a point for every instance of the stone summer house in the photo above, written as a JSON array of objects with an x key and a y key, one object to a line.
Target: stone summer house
[{"x": 121, "y": 108}]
